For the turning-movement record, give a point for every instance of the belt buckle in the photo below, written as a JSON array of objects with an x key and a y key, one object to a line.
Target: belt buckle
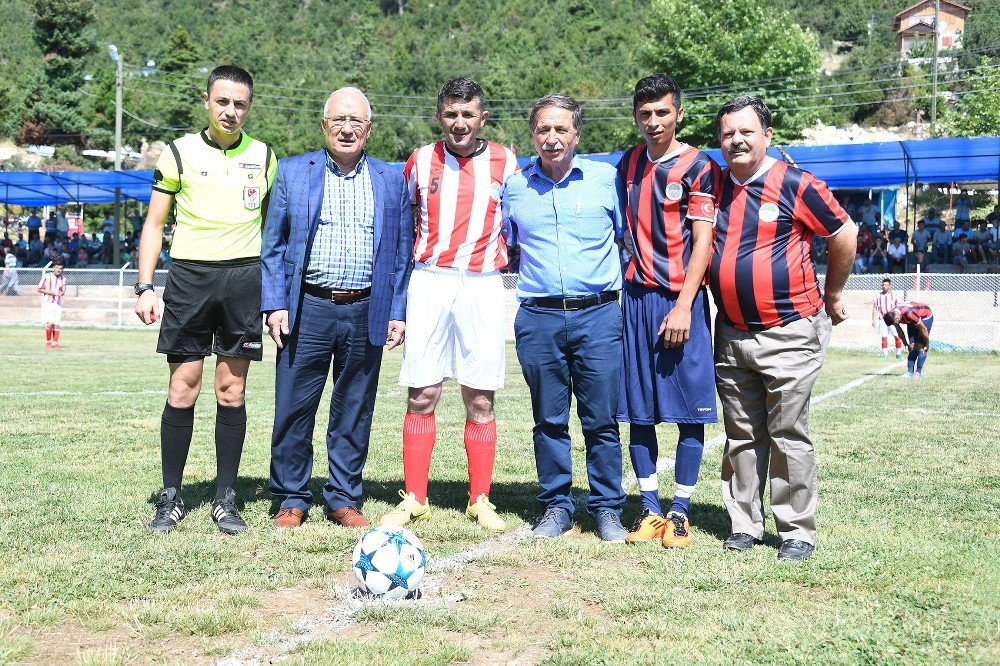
[{"x": 565, "y": 303}]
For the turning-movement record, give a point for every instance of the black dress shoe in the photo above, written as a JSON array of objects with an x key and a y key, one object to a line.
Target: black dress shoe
[
  {"x": 793, "y": 549},
  {"x": 740, "y": 542}
]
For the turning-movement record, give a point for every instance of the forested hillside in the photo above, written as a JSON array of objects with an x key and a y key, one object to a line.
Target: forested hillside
[{"x": 57, "y": 83}]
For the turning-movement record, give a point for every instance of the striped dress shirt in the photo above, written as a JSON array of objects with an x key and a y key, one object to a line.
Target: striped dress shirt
[{"x": 343, "y": 248}]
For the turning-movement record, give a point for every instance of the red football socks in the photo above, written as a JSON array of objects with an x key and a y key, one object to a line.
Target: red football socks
[
  {"x": 899, "y": 343},
  {"x": 480, "y": 447},
  {"x": 48, "y": 333},
  {"x": 885, "y": 343},
  {"x": 55, "y": 333},
  {"x": 419, "y": 432}
]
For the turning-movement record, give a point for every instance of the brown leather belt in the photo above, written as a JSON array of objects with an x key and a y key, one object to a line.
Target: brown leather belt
[{"x": 341, "y": 297}]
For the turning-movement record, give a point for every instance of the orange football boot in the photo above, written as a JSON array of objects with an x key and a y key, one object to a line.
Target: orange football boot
[
  {"x": 647, "y": 527},
  {"x": 678, "y": 532}
]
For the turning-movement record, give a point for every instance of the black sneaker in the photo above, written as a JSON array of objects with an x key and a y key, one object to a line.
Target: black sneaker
[
  {"x": 226, "y": 516},
  {"x": 169, "y": 511}
]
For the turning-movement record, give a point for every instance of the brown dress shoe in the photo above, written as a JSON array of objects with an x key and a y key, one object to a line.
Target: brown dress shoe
[
  {"x": 289, "y": 517},
  {"x": 348, "y": 516}
]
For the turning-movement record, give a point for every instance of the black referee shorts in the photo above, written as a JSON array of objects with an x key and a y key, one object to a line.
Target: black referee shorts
[{"x": 212, "y": 307}]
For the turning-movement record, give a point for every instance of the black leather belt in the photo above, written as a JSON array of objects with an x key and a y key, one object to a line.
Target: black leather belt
[
  {"x": 342, "y": 297},
  {"x": 572, "y": 302}
]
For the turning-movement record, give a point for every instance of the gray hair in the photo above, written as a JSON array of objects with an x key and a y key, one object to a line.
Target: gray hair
[
  {"x": 558, "y": 100},
  {"x": 346, "y": 89}
]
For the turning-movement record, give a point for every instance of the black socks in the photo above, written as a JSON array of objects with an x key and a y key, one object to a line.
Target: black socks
[
  {"x": 230, "y": 432},
  {"x": 176, "y": 426}
]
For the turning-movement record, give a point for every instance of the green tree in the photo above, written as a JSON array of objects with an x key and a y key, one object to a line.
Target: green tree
[
  {"x": 181, "y": 110},
  {"x": 977, "y": 111},
  {"x": 742, "y": 46},
  {"x": 54, "y": 110}
]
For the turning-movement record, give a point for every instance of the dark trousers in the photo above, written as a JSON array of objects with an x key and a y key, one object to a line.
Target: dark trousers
[
  {"x": 579, "y": 353},
  {"x": 324, "y": 332}
]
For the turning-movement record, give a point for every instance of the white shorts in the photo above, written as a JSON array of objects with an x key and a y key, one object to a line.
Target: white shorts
[
  {"x": 454, "y": 329},
  {"x": 886, "y": 331},
  {"x": 51, "y": 313}
]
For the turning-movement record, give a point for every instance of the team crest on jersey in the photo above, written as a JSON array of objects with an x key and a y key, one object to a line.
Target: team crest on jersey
[
  {"x": 251, "y": 197},
  {"x": 674, "y": 191},
  {"x": 495, "y": 191},
  {"x": 768, "y": 212}
]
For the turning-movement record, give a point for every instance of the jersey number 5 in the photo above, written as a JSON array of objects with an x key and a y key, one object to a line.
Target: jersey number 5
[{"x": 434, "y": 184}]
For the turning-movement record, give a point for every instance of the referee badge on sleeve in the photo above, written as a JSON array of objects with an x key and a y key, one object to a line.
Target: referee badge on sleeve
[{"x": 251, "y": 197}]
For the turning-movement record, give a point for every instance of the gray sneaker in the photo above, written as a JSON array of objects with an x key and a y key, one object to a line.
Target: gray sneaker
[
  {"x": 609, "y": 526},
  {"x": 554, "y": 522}
]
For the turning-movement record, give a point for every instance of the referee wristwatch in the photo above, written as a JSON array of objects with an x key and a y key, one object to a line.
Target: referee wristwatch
[{"x": 143, "y": 286}]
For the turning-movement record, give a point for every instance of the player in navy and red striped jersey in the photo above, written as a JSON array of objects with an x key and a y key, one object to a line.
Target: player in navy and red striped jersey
[
  {"x": 773, "y": 326},
  {"x": 454, "y": 305},
  {"x": 918, "y": 319},
  {"x": 52, "y": 287},
  {"x": 884, "y": 303},
  {"x": 669, "y": 190}
]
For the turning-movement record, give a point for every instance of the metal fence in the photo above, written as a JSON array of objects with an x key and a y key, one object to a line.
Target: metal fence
[{"x": 966, "y": 306}]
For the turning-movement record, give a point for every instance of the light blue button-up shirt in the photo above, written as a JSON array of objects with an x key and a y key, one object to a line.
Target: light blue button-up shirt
[{"x": 566, "y": 231}]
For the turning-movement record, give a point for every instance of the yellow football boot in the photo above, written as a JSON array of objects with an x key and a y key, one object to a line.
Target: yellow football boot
[
  {"x": 406, "y": 511},
  {"x": 647, "y": 527},
  {"x": 678, "y": 532},
  {"x": 485, "y": 514}
]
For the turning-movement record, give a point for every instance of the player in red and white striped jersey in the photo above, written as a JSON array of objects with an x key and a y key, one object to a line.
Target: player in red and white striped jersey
[
  {"x": 885, "y": 302},
  {"x": 454, "y": 304},
  {"x": 52, "y": 287}
]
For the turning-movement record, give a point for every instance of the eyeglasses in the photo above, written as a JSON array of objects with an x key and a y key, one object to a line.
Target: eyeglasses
[{"x": 340, "y": 122}]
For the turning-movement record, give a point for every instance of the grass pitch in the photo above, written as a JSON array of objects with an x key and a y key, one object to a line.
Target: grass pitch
[{"x": 906, "y": 569}]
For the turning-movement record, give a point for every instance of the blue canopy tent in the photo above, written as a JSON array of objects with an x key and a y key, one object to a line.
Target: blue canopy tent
[{"x": 40, "y": 188}]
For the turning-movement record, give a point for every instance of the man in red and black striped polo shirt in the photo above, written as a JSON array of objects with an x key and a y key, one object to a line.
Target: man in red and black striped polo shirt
[
  {"x": 773, "y": 326},
  {"x": 669, "y": 195}
]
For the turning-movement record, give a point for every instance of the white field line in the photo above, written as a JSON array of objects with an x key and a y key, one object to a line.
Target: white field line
[
  {"x": 334, "y": 619},
  {"x": 666, "y": 463}
]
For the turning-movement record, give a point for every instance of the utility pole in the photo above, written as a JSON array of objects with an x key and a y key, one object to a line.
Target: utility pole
[
  {"x": 934, "y": 68},
  {"x": 116, "y": 234}
]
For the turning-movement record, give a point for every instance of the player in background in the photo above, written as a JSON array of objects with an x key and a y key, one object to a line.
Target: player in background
[
  {"x": 668, "y": 371},
  {"x": 918, "y": 319},
  {"x": 217, "y": 181},
  {"x": 884, "y": 303},
  {"x": 52, "y": 287},
  {"x": 454, "y": 305}
]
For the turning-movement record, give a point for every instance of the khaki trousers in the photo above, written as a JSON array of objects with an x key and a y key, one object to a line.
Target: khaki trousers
[{"x": 765, "y": 380}]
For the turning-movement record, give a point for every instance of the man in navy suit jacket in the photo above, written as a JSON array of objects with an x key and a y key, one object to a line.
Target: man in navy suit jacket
[{"x": 335, "y": 262}]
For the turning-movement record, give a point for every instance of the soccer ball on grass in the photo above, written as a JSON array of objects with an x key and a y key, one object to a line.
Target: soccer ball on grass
[{"x": 389, "y": 562}]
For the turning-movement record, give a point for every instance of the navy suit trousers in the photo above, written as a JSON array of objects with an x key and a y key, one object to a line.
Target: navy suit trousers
[
  {"x": 579, "y": 353},
  {"x": 325, "y": 333}
]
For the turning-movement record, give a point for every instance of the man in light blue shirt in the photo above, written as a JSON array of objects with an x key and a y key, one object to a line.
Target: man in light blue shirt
[{"x": 565, "y": 215}]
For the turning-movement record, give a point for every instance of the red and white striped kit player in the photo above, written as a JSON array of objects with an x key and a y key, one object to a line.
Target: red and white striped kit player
[
  {"x": 886, "y": 301},
  {"x": 459, "y": 201},
  {"x": 52, "y": 286}
]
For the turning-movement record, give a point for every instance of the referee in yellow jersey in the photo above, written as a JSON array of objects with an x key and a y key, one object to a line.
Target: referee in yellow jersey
[{"x": 217, "y": 181}]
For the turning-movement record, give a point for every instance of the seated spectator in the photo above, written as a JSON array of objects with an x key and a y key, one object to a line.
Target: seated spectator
[
  {"x": 898, "y": 232},
  {"x": 897, "y": 256},
  {"x": 942, "y": 245},
  {"x": 83, "y": 257},
  {"x": 921, "y": 238},
  {"x": 35, "y": 249},
  {"x": 987, "y": 242},
  {"x": 993, "y": 218},
  {"x": 864, "y": 247},
  {"x": 960, "y": 253},
  {"x": 879, "y": 256},
  {"x": 965, "y": 229},
  {"x": 932, "y": 220},
  {"x": 920, "y": 260}
]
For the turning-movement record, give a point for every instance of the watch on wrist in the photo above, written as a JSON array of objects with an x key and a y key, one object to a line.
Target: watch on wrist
[{"x": 142, "y": 286}]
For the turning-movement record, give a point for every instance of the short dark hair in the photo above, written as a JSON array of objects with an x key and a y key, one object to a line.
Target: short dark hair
[
  {"x": 460, "y": 88},
  {"x": 888, "y": 318},
  {"x": 654, "y": 87},
  {"x": 742, "y": 102},
  {"x": 58, "y": 261},
  {"x": 886, "y": 280},
  {"x": 558, "y": 100},
  {"x": 230, "y": 73}
]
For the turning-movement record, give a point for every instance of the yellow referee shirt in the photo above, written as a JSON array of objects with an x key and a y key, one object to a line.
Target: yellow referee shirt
[{"x": 218, "y": 195}]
